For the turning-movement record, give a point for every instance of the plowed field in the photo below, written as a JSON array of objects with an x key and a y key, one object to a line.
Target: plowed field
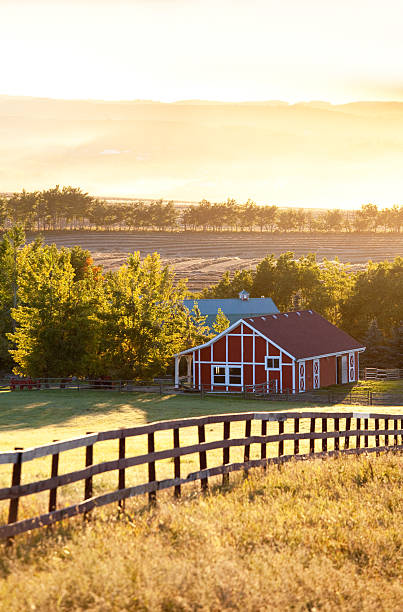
[{"x": 204, "y": 257}]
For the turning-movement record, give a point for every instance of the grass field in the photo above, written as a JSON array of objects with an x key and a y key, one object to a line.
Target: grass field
[
  {"x": 321, "y": 535},
  {"x": 33, "y": 418}
]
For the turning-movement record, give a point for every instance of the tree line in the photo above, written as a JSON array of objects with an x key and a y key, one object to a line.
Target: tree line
[
  {"x": 368, "y": 304},
  {"x": 69, "y": 208},
  {"x": 60, "y": 315}
]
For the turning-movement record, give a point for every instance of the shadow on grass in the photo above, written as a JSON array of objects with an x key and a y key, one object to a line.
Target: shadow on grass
[{"x": 37, "y": 409}]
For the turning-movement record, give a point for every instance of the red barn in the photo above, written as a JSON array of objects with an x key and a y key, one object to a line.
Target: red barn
[{"x": 294, "y": 351}]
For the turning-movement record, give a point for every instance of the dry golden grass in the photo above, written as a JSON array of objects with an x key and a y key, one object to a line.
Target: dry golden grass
[{"x": 318, "y": 535}]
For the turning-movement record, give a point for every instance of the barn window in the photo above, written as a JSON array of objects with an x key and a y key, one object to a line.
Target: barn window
[
  {"x": 234, "y": 376},
  {"x": 219, "y": 375},
  {"x": 272, "y": 363},
  {"x": 227, "y": 375}
]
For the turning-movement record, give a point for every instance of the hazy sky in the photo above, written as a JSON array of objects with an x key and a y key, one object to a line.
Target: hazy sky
[{"x": 207, "y": 49}]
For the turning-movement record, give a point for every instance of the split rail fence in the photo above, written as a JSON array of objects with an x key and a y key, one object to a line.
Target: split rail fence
[{"x": 351, "y": 433}]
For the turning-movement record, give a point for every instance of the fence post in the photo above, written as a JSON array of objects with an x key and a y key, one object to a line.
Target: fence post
[
  {"x": 358, "y": 439},
  {"x": 152, "y": 495},
  {"x": 246, "y": 454},
  {"x": 396, "y": 436},
  {"x": 337, "y": 440},
  {"x": 263, "y": 446},
  {"x": 177, "y": 463},
  {"x": 89, "y": 459},
  {"x": 386, "y": 421},
  {"x": 324, "y": 440},
  {"x": 15, "y": 482},
  {"x": 53, "y": 474},
  {"x": 122, "y": 474},
  {"x": 377, "y": 437},
  {"x": 281, "y": 442},
  {"x": 225, "y": 451},
  {"x": 347, "y": 438},
  {"x": 366, "y": 426},
  {"x": 296, "y": 442},
  {"x": 203, "y": 456},
  {"x": 312, "y": 440}
]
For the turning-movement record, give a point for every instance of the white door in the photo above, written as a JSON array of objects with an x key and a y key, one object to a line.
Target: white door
[
  {"x": 351, "y": 367},
  {"x": 344, "y": 371},
  {"x": 316, "y": 374}
]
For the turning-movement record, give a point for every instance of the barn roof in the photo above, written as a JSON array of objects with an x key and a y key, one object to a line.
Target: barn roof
[
  {"x": 233, "y": 308},
  {"x": 304, "y": 333}
]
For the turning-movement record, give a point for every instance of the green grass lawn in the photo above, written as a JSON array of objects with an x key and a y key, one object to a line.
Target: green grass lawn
[{"x": 33, "y": 418}]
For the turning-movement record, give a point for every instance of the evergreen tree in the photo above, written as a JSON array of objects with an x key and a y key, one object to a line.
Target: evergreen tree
[{"x": 221, "y": 322}]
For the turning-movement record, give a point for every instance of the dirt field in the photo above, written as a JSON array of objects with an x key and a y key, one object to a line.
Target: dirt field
[{"x": 204, "y": 257}]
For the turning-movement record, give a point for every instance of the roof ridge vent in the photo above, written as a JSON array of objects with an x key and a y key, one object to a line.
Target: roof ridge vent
[
  {"x": 263, "y": 318},
  {"x": 274, "y": 316},
  {"x": 286, "y": 315},
  {"x": 298, "y": 313},
  {"x": 310, "y": 311}
]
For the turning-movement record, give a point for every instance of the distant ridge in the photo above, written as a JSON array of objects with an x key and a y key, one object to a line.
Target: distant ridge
[{"x": 311, "y": 154}]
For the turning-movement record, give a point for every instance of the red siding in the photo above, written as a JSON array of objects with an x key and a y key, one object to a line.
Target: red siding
[
  {"x": 236, "y": 330},
  {"x": 248, "y": 375},
  {"x": 260, "y": 349},
  {"x": 273, "y": 350},
  {"x": 219, "y": 350},
  {"x": 248, "y": 349},
  {"x": 260, "y": 374},
  {"x": 205, "y": 373},
  {"x": 234, "y": 348},
  {"x": 287, "y": 378},
  {"x": 205, "y": 354},
  {"x": 247, "y": 330}
]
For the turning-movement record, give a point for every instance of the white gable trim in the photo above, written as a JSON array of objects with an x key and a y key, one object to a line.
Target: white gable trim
[{"x": 356, "y": 350}]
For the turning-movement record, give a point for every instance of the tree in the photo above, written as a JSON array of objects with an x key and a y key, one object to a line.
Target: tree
[
  {"x": 376, "y": 354},
  {"x": 395, "y": 346},
  {"x": 380, "y": 284},
  {"x": 144, "y": 321},
  {"x": 57, "y": 331},
  {"x": 221, "y": 322}
]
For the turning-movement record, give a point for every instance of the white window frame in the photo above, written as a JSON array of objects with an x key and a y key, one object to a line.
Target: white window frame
[
  {"x": 227, "y": 367},
  {"x": 278, "y": 357}
]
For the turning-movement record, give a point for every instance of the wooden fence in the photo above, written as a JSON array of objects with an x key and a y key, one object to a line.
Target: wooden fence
[
  {"x": 265, "y": 391},
  {"x": 366, "y": 427},
  {"x": 383, "y": 374}
]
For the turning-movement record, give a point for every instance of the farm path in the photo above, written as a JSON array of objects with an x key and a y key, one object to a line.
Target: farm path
[{"x": 202, "y": 257}]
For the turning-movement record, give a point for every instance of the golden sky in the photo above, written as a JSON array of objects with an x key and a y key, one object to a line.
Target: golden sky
[{"x": 231, "y": 50}]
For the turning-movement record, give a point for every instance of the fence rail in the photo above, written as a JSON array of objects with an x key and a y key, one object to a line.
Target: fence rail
[
  {"x": 366, "y": 426},
  {"x": 383, "y": 374}
]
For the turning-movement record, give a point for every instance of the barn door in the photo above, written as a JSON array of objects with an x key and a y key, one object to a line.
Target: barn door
[
  {"x": 316, "y": 374},
  {"x": 351, "y": 367},
  {"x": 344, "y": 370},
  {"x": 301, "y": 376}
]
